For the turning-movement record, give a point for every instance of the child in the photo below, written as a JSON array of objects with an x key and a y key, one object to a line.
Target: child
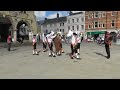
[
  {"x": 9, "y": 40},
  {"x": 34, "y": 45}
]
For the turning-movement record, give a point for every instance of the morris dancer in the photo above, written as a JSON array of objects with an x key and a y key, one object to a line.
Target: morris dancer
[
  {"x": 78, "y": 44},
  {"x": 50, "y": 36},
  {"x": 74, "y": 46},
  {"x": 57, "y": 43},
  {"x": 44, "y": 42},
  {"x": 34, "y": 45}
]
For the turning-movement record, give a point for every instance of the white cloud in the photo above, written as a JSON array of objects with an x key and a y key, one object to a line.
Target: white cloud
[
  {"x": 40, "y": 15},
  {"x": 75, "y": 11},
  {"x": 55, "y": 15}
]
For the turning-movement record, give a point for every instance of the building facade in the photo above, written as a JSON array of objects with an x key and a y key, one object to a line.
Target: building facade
[
  {"x": 97, "y": 22},
  {"x": 57, "y": 24},
  {"x": 15, "y": 23},
  {"x": 76, "y": 22}
]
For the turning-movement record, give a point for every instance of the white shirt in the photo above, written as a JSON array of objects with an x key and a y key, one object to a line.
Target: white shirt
[
  {"x": 79, "y": 39},
  {"x": 44, "y": 38},
  {"x": 50, "y": 38},
  {"x": 73, "y": 40}
]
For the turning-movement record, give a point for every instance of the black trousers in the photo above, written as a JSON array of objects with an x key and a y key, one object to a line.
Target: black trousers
[
  {"x": 9, "y": 46},
  {"x": 51, "y": 46},
  {"x": 78, "y": 46},
  {"x": 44, "y": 45},
  {"x": 74, "y": 50},
  {"x": 34, "y": 46},
  {"x": 107, "y": 48}
]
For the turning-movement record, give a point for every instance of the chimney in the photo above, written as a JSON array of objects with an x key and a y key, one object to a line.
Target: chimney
[
  {"x": 57, "y": 15},
  {"x": 45, "y": 18},
  {"x": 70, "y": 12}
]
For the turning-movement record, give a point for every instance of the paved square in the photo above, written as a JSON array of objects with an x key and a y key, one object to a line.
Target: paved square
[{"x": 21, "y": 64}]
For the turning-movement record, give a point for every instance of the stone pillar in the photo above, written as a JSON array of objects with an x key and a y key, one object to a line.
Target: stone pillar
[{"x": 15, "y": 35}]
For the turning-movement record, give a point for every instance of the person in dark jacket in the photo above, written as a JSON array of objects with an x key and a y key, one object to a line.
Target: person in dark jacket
[
  {"x": 9, "y": 40},
  {"x": 108, "y": 40}
]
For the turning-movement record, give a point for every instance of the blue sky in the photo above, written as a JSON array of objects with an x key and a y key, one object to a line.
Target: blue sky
[{"x": 50, "y": 14}]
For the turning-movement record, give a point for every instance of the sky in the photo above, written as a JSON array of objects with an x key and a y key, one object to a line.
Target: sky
[{"x": 40, "y": 15}]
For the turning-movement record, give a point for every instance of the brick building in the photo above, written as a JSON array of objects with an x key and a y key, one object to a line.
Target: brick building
[{"x": 97, "y": 22}]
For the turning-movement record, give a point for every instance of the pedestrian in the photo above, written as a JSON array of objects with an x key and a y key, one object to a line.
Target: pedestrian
[
  {"x": 35, "y": 52},
  {"x": 74, "y": 46},
  {"x": 50, "y": 36},
  {"x": 78, "y": 44},
  {"x": 44, "y": 39},
  {"x": 9, "y": 40},
  {"x": 108, "y": 40}
]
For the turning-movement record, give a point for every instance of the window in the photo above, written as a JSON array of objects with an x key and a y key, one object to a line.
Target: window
[
  {"x": 82, "y": 19},
  {"x": 88, "y": 16},
  {"x": 112, "y": 23},
  {"x": 77, "y": 27},
  {"x": 99, "y": 24},
  {"x": 72, "y": 27},
  {"x": 92, "y": 15},
  {"x": 60, "y": 30},
  {"x": 77, "y": 19},
  {"x": 103, "y": 25},
  {"x": 50, "y": 25},
  {"x": 103, "y": 14},
  {"x": 112, "y": 13},
  {"x": 82, "y": 26},
  {"x": 63, "y": 24},
  {"x": 88, "y": 26},
  {"x": 68, "y": 27},
  {"x": 96, "y": 24},
  {"x": 60, "y": 24},
  {"x": 68, "y": 21},
  {"x": 73, "y": 20},
  {"x": 63, "y": 30},
  {"x": 96, "y": 15}
]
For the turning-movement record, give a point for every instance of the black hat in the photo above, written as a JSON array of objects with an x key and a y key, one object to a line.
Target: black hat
[
  {"x": 34, "y": 35},
  {"x": 74, "y": 34}
]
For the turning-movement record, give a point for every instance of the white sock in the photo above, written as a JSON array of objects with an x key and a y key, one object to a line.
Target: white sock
[
  {"x": 33, "y": 52},
  {"x": 78, "y": 50}
]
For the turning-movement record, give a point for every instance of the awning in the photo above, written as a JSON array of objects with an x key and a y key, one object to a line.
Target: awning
[{"x": 98, "y": 32}]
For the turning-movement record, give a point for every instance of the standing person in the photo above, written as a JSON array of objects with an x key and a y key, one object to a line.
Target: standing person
[
  {"x": 108, "y": 40},
  {"x": 35, "y": 52},
  {"x": 57, "y": 43},
  {"x": 78, "y": 44},
  {"x": 9, "y": 40},
  {"x": 81, "y": 37},
  {"x": 50, "y": 36},
  {"x": 74, "y": 46},
  {"x": 44, "y": 39}
]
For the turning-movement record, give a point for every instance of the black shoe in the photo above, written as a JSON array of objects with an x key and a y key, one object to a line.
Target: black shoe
[
  {"x": 108, "y": 57},
  {"x": 78, "y": 53},
  {"x": 54, "y": 56}
]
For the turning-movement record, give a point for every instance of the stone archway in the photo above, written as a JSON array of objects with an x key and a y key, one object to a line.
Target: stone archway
[
  {"x": 114, "y": 36},
  {"x": 6, "y": 25},
  {"x": 23, "y": 29}
]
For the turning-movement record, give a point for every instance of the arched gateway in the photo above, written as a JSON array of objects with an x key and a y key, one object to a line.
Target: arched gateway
[{"x": 17, "y": 23}]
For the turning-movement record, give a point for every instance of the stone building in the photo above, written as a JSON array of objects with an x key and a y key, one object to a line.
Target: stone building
[{"x": 17, "y": 23}]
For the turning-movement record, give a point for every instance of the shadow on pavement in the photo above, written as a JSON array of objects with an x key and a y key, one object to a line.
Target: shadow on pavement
[
  {"x": 13, "y": 49},
  {"x": 100, "y": 54}
]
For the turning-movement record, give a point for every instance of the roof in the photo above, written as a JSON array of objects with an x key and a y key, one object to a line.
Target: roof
[
  {"x": 75, "y": 13},
  {"x": 55, "y": 20}
]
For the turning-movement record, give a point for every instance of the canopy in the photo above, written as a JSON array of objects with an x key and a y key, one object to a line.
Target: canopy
[{"x": 97, "y": 32}]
